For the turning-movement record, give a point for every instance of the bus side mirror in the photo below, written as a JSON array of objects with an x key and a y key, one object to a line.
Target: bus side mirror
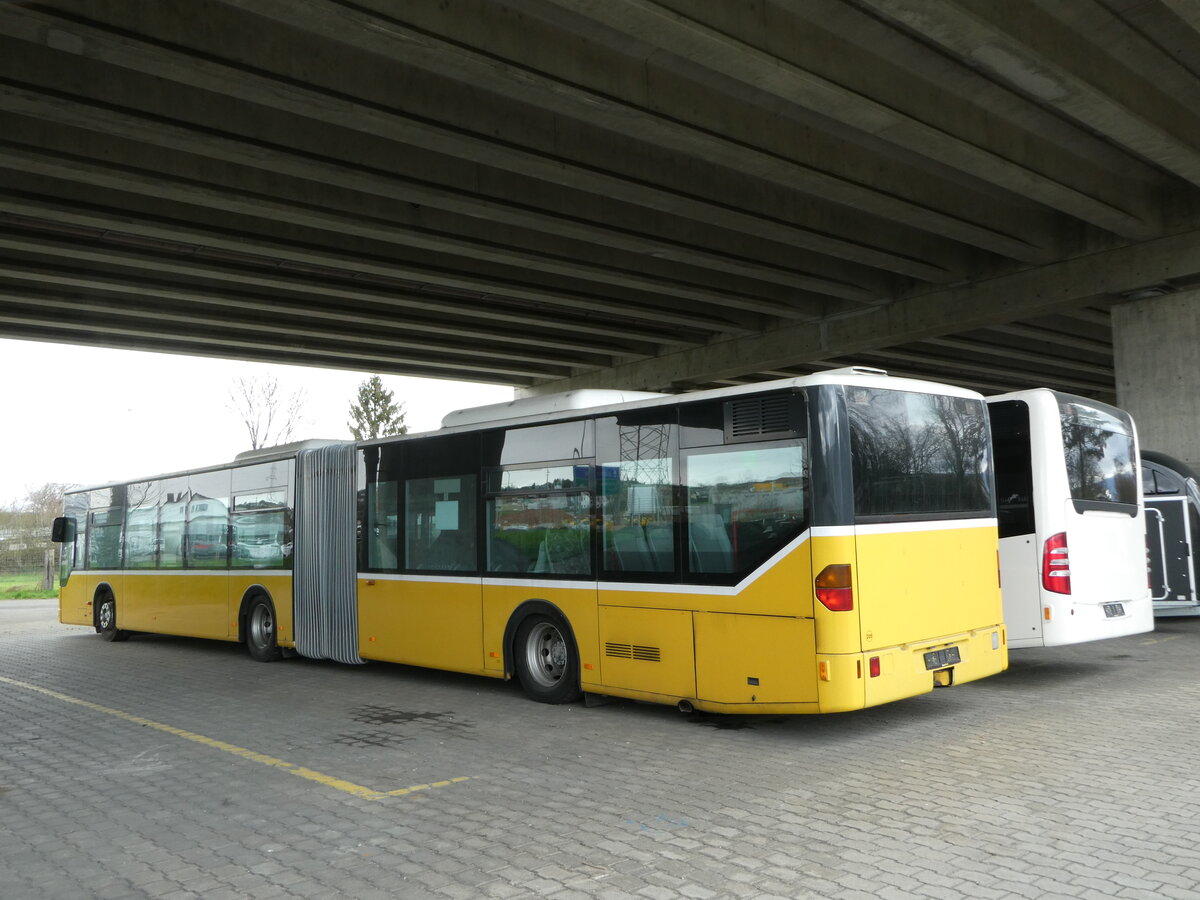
[{"x": 63, "y": 530}]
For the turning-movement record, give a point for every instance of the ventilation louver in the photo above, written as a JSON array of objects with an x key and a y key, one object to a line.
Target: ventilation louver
[
  {"x": 633, "y": 651},
  {"x": 755, "y": 418}
]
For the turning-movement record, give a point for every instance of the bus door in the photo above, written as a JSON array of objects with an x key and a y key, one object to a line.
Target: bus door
[
  {"x": 1169, "y": 550},
  {"x": 1020, "y": 563}
]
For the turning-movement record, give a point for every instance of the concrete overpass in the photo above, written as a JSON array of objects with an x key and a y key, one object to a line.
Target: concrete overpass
[{"x": 663, "y": 195}]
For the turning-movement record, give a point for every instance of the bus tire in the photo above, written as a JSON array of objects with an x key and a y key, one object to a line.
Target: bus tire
[
  {"x": 546, "y": 660},
  {"x": 261, "y": 630},
  {"x": 106, "y": 620}
]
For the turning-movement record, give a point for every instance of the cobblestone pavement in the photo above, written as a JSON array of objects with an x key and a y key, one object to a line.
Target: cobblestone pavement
[{"x": 173, "y": 768}]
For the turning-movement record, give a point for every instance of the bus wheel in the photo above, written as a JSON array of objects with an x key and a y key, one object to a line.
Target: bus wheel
[
  {"x": 106, "y": 620},
  {"x": 260, "y": 631},
  {"x": 546, "y": 661}
]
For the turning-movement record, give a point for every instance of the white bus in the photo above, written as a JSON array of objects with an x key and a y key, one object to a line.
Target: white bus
[{"x": 1072, "y": 522}]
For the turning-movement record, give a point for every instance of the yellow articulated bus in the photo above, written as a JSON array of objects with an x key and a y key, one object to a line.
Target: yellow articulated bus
[{"x": 818, "y": 544}]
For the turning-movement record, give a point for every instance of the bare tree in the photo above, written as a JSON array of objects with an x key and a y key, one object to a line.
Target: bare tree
[
  {"x": 26, "y": 553},
  {"x": 46, "y": 502},
  {"x": 270, "y": 417}
]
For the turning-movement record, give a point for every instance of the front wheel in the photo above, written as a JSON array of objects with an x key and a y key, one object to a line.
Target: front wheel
[
  {"x": 106, "y": 621},
  {"x": 546, "y": 660},
  {"x": 261, "y": 631}
]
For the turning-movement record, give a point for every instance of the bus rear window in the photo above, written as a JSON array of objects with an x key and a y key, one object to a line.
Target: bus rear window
[
  {"x": 918, "y": 455},
  {"x": 1100, "y": 455}
]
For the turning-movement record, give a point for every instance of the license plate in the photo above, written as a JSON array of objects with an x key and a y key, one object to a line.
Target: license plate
[
  {"x": 1114, "y": 609},
  {"x": 939, "y": 659}
]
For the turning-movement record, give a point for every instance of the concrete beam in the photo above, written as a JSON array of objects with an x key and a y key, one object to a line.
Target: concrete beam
[
  {"x": 179, "y": 65},
  {"x": 212, "y": 196},
  {"x": 1050, "y": 61},
  {"x": 179, "y": 189},
  {"x": 150, "y": 129},
  {"x": 325, "y": 271},
  {"x": 273, "y": 336},
  {"x": 690, "y": 39},
  {"x": 377, "y": 34},
  {"x": 1031, "y": 293}
]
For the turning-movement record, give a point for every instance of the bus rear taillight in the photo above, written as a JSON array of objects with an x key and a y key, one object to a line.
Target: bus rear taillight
[
  {"x": 1056, "y": 566},
  {"x": 833, "y": 588}
]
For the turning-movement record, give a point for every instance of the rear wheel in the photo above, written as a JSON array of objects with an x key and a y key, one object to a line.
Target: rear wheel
[
  {"x": 106, "y": 620},
  {"x": 546, "y": 660},
  {"x": 261, "y": 631}
]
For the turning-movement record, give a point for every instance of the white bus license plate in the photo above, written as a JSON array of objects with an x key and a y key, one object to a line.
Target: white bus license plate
[
  {"x": 939, "y": 659},
  {"x": 1114, "y": 609}
]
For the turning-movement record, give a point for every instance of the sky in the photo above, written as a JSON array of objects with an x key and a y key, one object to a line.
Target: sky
[{"x": 88, "y": 415}]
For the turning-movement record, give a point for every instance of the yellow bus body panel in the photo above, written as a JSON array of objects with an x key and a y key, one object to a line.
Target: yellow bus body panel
[
  {"x": 436, "y": 624},
  {"x": 278, "y": 586},
  {"x": 648, "y": 650},
  {"x": 764, "y": 646},
  {"x": 917, "y": 588},
  {"x": 783, "y": 588},
  {"x": 577, "y": 604},
  {"x": 753, "y": 660},
  {"x": 75, "y": 600},
  {"x": 920, "y": 584},
  {"x": 836, "y": 632},
  {"x": 192, "y": 603}
]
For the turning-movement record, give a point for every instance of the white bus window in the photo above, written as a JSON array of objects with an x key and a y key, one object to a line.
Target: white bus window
[{"x": 1100, "y": 455}]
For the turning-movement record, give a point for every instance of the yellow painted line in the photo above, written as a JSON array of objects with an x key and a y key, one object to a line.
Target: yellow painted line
[
  {"x": 1169, "y": 637},
  {"x": 339, "y": 784}
]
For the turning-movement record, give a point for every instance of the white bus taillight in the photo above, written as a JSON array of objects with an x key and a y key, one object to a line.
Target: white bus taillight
[
  {"x": 834, "y": 589},
  {"x": 1056, "y": 566}
]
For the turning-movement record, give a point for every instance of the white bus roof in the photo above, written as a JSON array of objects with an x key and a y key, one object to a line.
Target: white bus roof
[
  {"x": 544, "y": 405},
  {"x": 245, "y": 458},
  {"x": 554, "y": 407}
]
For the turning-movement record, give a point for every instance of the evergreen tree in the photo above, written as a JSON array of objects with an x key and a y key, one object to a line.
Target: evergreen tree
[{"x": 375, "y": 413}]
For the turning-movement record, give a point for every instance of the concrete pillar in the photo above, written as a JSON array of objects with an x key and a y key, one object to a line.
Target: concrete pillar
[{"x": 1156, "y": 356}]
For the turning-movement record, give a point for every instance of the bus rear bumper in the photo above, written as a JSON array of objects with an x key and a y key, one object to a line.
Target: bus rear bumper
[{"x": 857, "y": 680}]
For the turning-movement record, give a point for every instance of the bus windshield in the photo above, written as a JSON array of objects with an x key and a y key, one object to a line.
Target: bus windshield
[
  {"x": 1099, "y": 452},
  {"x": 918, "y": 455}
]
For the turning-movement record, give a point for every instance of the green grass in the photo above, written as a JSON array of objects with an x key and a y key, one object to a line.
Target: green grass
[
  {"x": 28, "y": 595},
  {"x": 23, "y": 586}
]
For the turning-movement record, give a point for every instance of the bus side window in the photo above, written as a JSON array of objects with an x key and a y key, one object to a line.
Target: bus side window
[
  {"x": 104, "y": 538},
  {"x": 744, "y": 503},
  {"x": 383, "y": 525},
  {"x": 639, "y": 513},
  {"x": 539, "y": 520},
  {"x": 439, "y": 519}
]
